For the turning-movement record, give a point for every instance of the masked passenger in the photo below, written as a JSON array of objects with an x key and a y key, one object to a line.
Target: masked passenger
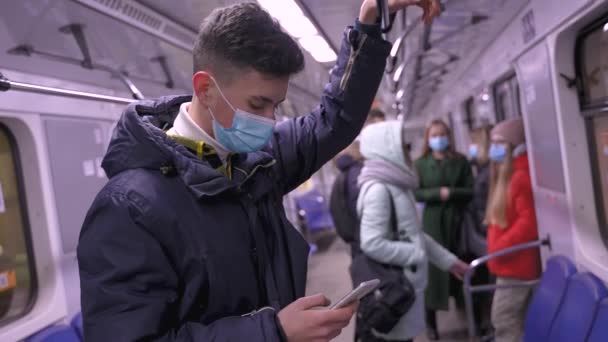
[
  {"x": 446, "y": 187},
  {"x": 511, "y": 219},
  {"x": 189, "y": 241}
]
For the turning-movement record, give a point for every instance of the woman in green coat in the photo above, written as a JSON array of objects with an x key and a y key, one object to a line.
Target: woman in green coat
[{"x": 446, "y": 187}]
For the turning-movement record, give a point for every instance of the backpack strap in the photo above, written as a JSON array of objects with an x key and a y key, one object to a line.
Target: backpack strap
[{"x": 393, "y": 214}]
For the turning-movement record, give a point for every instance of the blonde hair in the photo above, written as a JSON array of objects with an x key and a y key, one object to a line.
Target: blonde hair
[
  {"x": 500, "y": 177},
  {"x": 481, "y": 137},
  {"x": 426, "y": 150}
]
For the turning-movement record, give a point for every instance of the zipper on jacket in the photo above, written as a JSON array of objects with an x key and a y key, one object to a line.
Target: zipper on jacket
[
  {"x": 258, "y": 311},
  {"x": 255, "y": 169},
  {"x": 259, "y": 267},
  {"x": 351, "y": 61}
]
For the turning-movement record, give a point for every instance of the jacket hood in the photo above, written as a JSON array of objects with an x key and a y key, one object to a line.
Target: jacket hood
[
  {"x": 139, "y": 141},
  {"x": 381, "y": 146},
  {"x": 383, "y": 141}
]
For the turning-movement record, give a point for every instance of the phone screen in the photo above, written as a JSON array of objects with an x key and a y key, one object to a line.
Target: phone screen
[{"x": 361, "y": 291}]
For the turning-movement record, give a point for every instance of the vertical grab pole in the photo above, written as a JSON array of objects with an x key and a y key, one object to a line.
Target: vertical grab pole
[
  {"x": 468, "y": 290},
  {"x": 468, "y": 302}
]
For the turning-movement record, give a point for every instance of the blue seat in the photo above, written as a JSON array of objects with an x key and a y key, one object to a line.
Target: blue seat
[
  {"x": 56, "y": 333},
  {"x": 576, "y": 314},
  {"x": 547, "y": 298},
  {"x": 76, "y": 323},
  {"x": 599, "y": 331},
  {"x": 315, "y": 210}
]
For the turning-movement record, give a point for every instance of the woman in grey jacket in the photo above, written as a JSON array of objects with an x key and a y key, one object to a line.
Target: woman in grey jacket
[{"x": 388, "y": 175}]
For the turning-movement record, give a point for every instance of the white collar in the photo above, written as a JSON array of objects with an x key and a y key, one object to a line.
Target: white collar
[{"x": 185, "y": 127}]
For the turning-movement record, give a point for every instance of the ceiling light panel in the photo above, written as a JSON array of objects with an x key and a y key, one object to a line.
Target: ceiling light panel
[{"x": 299, "y": 26}]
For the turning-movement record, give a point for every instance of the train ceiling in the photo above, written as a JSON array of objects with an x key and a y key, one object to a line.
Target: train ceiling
[
  {"x": 46, "y": 37},
  {"x": 431, "y": 58}
]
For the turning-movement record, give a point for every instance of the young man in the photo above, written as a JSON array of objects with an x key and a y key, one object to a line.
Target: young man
[{"x": 189, "y": 241}]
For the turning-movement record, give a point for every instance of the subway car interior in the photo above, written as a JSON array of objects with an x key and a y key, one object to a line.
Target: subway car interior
[{"x": 69, "y": 68}]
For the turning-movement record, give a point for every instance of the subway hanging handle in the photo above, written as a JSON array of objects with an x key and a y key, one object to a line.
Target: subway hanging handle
[{"x": 384, "y": 17}]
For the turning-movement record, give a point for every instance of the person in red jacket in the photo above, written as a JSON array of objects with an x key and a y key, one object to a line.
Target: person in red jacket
[{"x": 511, "y": 218}]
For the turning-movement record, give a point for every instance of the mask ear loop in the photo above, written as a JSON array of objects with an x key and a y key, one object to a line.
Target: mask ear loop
[
  {"x": 222, "y": 94},
  {"x": 223, "y": 97},
  {"x": 255, "y": 117}
]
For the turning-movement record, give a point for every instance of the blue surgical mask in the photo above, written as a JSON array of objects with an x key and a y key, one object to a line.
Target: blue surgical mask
[
  {"x": 498, "y": 152},
  {"x": 473, "y": 151},
  {"x": 439, "y": 143},
  {"x": 249, "y": 132}
]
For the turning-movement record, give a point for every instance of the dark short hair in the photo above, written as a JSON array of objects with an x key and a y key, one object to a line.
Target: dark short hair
[
  {"x": 245, "y": 36},
  {"x": 376, "y": 113}
]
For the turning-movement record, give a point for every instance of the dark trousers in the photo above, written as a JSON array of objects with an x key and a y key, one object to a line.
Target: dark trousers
[{"x": 482, "y": 302}]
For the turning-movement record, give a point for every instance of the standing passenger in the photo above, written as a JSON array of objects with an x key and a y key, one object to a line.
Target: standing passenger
[
  {"x": 446, "y": 187},
  {"x": 343, "y": 197},
  {"x": 473, "y": 243},
  {"x": 388, "y": 181},
  {"x": 345, "y": 190},
  {"x": 188, "y": 241},
  {"x": 512, "y": 221}
]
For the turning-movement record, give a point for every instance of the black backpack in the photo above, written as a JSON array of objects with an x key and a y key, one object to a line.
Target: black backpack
[{"x": 345, "y": 222}]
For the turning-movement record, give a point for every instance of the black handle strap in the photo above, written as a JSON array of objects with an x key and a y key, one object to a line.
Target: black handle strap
[{"x": 385, "y": 18}]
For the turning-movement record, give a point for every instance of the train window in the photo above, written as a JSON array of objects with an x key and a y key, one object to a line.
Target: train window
[
  {"x": 17, "y": 274},
  {"x": 592, "y": 69},
  {"x": 470, "y": 112},
  {"x": 478, "y": 111},
  {"x": 506, "y": 98},
  {"x": 593, "y": 60},
  {"x": 600, "y": 132}
]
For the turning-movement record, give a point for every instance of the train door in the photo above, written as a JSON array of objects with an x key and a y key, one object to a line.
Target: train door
[
  {"x": 544, "y": 148},
  {"x": 592, "y": 70}
]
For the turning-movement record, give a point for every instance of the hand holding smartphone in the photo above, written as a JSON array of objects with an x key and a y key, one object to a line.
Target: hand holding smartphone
[{"x": 361, "y": 291}]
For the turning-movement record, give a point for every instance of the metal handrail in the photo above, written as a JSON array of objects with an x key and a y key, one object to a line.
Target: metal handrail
[
  {"x": 399, "y": 45},
  {"x": 28, "y": 51},
  {"x": 468, "y": 290},
  {"x": 6, "y": 85}
]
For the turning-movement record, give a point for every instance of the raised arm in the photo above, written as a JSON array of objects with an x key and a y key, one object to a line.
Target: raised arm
[
  {"x": 130, "y": 290},
  {"x": 302, "y": 145}
]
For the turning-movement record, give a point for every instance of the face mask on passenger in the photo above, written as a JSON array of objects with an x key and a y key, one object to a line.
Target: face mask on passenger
[
  {"x": 439, "y": 143},
  {"x": 498, "y": 152},
  {"x": 473, "y": 151},
  {"x": 249, "y": 132}
]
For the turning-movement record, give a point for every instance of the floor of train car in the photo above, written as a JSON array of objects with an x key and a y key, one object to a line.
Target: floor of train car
[{"x": 328, "y": 274}]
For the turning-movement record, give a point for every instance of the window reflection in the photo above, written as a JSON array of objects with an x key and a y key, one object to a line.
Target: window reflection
[
  {"x": 595, "y": 65},
  {"x": 17, "y": 283}
]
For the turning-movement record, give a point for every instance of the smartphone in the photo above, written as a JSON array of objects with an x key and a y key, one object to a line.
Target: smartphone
[{"x": 361, "y": 291}]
